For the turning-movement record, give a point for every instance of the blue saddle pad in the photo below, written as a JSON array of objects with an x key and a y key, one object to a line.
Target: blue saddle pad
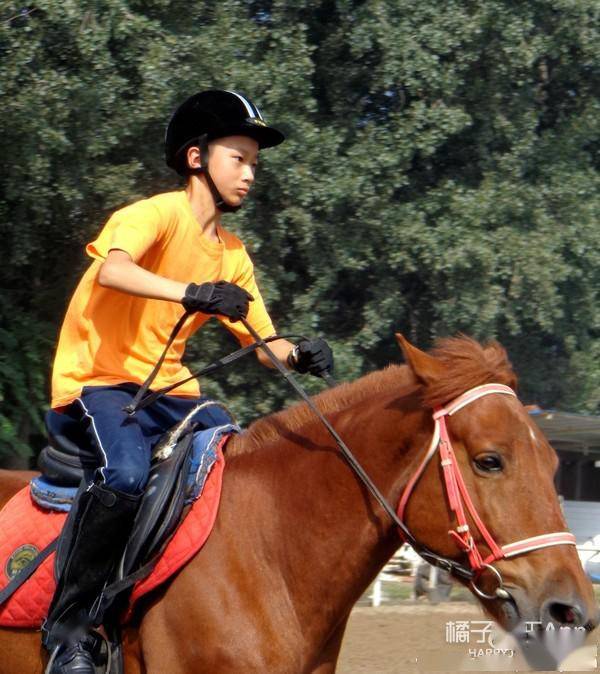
[{"x": 51, "y": 497}]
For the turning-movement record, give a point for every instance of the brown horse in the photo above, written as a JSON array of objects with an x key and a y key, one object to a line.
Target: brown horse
[{"x": 298, "y": 538}]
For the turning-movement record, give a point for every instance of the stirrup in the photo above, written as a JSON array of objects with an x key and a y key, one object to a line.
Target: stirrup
[{"x": 52, "y": 658}]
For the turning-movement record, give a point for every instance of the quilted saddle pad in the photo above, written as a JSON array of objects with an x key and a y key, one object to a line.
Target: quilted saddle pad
[{"x": 27, "y": 529}]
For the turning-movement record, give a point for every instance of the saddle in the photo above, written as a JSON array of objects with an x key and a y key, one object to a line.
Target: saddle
[
  {"x": 67, "y": 457},
  {"x": 67, "y": 464}
]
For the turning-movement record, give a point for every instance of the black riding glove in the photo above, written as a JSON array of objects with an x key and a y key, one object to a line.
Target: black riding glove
[
  {"x": 217, "y": 298},
  {"x": 311, "y": 355}
]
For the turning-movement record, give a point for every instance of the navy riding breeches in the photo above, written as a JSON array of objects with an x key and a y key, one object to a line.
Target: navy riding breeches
[{"x": 124, "y": 443}]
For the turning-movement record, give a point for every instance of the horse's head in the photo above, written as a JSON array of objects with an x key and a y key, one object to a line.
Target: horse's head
[{"x": 507, "y": 467}]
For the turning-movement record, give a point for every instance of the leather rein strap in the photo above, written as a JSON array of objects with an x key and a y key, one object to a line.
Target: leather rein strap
[
  {"x": 454, "y": 483},
  {"x": 143, "y": 399}
]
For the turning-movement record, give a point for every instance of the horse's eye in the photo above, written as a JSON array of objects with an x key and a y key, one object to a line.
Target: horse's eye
[{"x": 489, "y": 463}]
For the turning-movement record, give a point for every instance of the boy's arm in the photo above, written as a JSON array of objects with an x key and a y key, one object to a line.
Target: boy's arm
[
  {"x": 309, "y": 355},
  {"x": 281, "y": 348},
  {"x": 120, "y": 272}
]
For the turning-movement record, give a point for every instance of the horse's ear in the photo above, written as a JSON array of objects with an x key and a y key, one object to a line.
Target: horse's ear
[{"x": 427, "y": 368}]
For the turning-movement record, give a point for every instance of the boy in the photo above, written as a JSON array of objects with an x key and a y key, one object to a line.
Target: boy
[{"x": 151, "y": 258}]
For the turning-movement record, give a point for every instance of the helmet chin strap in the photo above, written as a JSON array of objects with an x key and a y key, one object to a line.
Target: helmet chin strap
[{"x": 220, "y": 203}]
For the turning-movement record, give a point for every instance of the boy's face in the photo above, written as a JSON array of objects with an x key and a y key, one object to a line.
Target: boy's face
[{"x": 232, "y": 161}]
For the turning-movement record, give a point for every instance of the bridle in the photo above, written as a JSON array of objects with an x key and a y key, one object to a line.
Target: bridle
[{"x": 458, "y": 499}]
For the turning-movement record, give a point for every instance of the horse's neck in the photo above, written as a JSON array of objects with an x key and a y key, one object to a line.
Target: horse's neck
[{"x": 321, "y": 526}]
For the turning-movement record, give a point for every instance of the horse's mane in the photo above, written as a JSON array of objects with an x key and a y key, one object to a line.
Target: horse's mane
[{"x": 467, "y": 364}]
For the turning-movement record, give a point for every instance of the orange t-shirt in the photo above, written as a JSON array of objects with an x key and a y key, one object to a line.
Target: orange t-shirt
[{"x": 109, "y": 337}]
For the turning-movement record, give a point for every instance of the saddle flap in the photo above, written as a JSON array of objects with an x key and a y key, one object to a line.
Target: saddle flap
[{"x": 161, "y": 506}]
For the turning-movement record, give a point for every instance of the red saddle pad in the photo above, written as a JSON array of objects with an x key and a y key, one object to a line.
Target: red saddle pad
[{"x": 26, "y": 529}]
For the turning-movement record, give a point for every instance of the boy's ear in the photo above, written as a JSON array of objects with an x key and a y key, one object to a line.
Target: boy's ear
[
  {"x": 426, "y": 368},
  {"x": 192, "y": 157}
]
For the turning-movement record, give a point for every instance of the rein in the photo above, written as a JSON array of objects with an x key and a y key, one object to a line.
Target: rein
[
  {"x": 456, "y": 490},
  {"x": 142, "y": 398}
]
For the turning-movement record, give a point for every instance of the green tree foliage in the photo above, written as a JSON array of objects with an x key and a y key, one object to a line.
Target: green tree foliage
[{"x": 440, "y": 175}]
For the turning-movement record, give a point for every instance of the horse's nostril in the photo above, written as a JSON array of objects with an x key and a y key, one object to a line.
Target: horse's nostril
[{"x": 563, "y": 614}]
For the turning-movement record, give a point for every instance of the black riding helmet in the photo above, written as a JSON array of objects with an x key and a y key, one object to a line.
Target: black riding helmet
[{"x": 209, "y": 115}]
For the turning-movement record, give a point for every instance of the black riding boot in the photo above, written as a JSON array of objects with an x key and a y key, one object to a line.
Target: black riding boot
[{"x": 103, "y": 522}]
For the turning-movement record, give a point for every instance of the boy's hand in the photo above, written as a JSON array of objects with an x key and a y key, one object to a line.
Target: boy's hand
[
  {"x": 217, "y": 298},
  {"x": 311, "y": 355}
]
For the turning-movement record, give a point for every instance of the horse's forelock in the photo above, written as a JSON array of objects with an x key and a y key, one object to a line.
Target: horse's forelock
[{"x": 467, "y": 364}]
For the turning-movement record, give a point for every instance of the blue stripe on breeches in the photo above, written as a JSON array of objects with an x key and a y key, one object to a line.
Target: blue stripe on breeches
[{"x": 123, "y": 442}]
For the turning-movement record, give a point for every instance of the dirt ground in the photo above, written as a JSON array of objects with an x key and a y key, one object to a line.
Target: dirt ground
[{"x": 412, "y": 638}]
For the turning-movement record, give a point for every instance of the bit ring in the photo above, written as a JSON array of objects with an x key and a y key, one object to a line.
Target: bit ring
[{"x": 499, "y": 593}]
